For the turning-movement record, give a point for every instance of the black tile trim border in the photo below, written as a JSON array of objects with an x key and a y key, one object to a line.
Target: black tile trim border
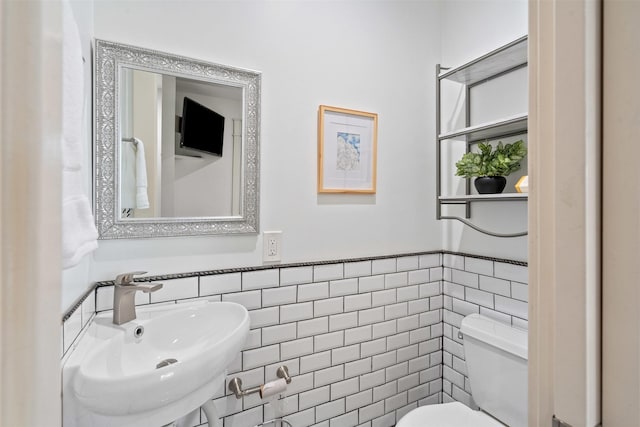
[
  {"x": 100, "y": 284},
  {"x": 488, "y": 258},
  {"x": 266, "y": 267},
  {"x": 79, "y": 302}
]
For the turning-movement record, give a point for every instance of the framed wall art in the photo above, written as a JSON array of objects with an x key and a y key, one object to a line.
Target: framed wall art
[{"x": 347, "y": 150}]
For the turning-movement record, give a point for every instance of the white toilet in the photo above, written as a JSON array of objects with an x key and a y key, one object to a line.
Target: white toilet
[{"x": 496, "y": 356}]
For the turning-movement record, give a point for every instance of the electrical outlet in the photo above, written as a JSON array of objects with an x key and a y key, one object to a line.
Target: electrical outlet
[{"x": 272, "y": 246}]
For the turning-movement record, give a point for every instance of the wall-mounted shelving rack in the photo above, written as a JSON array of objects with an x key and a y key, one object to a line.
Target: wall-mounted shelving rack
[{"x": 497, "y": 63}]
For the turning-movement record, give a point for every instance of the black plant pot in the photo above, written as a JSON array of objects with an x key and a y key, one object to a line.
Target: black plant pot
[{"x": 490, "y": 184}]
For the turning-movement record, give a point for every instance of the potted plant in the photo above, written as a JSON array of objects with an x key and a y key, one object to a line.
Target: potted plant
[{"x": 491, "y": 165}]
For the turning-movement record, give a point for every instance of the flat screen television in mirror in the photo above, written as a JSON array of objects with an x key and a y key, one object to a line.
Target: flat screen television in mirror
[{"x": 201, "y": 128}]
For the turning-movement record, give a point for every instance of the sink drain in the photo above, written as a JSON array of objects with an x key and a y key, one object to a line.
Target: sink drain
[
  {"x": 138, "y": 331},
  {"x": 166, "y": 362}
]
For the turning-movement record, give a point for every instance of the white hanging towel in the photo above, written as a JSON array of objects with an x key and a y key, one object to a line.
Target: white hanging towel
[
  {"x": 79, "y": 234},
  {"x": 134, "y": 176}
]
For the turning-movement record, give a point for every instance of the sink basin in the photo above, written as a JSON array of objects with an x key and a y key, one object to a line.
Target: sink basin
[{"x": 160, "y": 366}]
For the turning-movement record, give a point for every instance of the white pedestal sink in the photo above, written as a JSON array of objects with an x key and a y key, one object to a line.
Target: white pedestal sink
[{"x": 116, "y": 377}]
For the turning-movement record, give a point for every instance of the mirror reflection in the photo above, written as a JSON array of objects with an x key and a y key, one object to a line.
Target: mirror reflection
[
  {"x": 176, "y": 145},
  {"x": 181, "y": 146}
]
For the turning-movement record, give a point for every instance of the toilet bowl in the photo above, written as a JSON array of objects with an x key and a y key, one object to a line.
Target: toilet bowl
[
  {"x": 454, "y": 414},
  {"x": 496, "y": 358}
]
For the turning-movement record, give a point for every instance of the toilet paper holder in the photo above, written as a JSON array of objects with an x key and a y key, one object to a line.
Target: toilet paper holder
[{"x": 235, "y": 385}]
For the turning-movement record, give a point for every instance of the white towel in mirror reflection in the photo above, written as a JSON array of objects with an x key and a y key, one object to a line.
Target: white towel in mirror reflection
[{"x": 133, "y": 191}]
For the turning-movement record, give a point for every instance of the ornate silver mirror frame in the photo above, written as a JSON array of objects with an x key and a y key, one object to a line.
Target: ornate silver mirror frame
[{"x": 109, "y": 58}]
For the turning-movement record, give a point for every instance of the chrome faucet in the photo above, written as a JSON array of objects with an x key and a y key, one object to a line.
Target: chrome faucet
[{"x": 124, "y": 307}]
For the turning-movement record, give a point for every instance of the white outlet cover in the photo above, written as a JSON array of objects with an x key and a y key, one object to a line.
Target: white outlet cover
[{"x": 272, "y": 246}]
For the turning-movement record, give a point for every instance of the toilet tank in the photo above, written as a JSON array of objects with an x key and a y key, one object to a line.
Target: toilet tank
[{"x": 496, "y": 357}]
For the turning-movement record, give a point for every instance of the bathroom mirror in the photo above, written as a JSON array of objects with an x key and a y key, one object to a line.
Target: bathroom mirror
[{"x": 176, "y": 145}]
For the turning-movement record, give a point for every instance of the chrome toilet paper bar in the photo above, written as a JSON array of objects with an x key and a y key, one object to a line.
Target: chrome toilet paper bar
[{"x": 265, "y": 390}]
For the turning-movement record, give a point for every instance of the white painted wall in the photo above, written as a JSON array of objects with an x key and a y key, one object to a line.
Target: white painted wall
[
  {"x": 373, "y": 56},
  {"x": 471, "y": 28},
  {"x": 168, "y": 151}
]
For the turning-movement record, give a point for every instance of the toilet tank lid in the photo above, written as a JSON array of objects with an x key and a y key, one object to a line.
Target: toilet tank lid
[{"x": 497, "y": 334}]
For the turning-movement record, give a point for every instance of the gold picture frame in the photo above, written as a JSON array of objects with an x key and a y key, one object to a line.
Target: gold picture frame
[{"x": 347, "y": 150}]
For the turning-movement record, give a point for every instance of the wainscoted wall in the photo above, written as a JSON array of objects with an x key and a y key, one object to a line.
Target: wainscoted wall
[
  {"x": 362, "y": 340},
  {"x": 473, "y": 285},
  {"x": 365, "y": 340},
  {"x": 76, "y": 319}
]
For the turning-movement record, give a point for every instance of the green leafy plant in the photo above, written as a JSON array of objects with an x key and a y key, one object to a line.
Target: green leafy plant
[{"x": 498, "y": 161}]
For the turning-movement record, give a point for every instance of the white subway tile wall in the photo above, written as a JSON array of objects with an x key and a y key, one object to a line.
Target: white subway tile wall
[
  {"x": 220, "y": 283},
  {"x": 75, "y": 324},
  {"x": 176, "y": 289},
  {"x": 471, "y": 285},
  {"x": 365, "y": 341}
]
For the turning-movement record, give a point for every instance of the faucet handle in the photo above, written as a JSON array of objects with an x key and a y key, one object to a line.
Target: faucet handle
[
  {"x": 126, "y": 278},
  {"x": 150, "y": 287}
]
